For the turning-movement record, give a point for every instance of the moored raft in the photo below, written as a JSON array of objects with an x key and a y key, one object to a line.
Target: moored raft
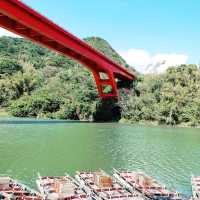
[
  {"x": 195, "y": 182},
  {"x": 60, "y": 187},
  {"x": 11, "y": 189},
  {"x": 101, "y": 186},
  {"x": 145, "y": 184}
]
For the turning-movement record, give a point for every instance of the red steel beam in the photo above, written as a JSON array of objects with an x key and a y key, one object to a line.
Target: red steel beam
[{"x": 17, "y": 17}]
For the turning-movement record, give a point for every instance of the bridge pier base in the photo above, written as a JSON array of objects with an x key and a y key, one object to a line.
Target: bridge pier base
[{"x": 108, "y": 110}]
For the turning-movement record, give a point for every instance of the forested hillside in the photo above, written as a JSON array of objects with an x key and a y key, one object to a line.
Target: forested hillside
[
  {"x": 171, "y": 98},
  {"x": 35, "y": 82}
]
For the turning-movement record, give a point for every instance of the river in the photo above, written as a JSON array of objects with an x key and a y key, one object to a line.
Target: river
[{"x": 56, "y": 147}]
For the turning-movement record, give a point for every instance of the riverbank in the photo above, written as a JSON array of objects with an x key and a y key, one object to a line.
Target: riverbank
[
  {"x": 3, "y": 113},
  {"x": 156, "y": 123}
]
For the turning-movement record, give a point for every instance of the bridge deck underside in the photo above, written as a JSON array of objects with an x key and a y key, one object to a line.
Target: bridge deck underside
[{"x": 20, "y": 19}]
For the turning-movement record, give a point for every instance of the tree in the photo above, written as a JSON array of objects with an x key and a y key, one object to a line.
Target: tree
[{"x": 9, "y": 67}]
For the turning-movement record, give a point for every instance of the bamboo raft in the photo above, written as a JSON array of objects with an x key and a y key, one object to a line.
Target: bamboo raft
[
  {"x": 96, "y": 185},
  {"x": 104, "y": 187},
  {"x": 60, "y": 187},
  {"x": 147, "y": 185},
  {"x": 195, "y": 182},
  {"x": 13, "y": 190}
]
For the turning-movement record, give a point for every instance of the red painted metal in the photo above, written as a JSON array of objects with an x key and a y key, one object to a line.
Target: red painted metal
[{"x": 17, "y": 17}]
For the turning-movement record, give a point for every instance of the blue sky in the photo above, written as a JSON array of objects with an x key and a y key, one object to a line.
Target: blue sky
[{"x": 146, "y": 29}]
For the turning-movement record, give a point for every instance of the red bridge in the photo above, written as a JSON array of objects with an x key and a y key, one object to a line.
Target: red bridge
[{"x": 16, "y": 17}]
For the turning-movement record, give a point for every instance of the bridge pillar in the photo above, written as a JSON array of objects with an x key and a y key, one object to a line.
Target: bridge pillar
[{"x": 107, "y": 110}]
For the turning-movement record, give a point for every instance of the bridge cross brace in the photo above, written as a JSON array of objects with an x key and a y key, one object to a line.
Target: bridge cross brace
[{"x": 102, "y": 83}]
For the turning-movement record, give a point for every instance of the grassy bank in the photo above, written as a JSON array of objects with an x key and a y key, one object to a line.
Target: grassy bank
[{"x": 3, "y": 113}]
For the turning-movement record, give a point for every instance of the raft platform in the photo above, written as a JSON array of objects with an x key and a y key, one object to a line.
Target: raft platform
[
  {"x": 101, "y": 186},
  {"x": 195, "y": 182},
  {"x": 95, "y": 185},
  {"x": 147, "y": 185}
]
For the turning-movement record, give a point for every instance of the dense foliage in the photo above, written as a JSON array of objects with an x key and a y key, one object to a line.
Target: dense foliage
[
  {"x": 8, "y": 67},
  {"x": 35, "y": 82},
  {"x": 171, "y": 98}
]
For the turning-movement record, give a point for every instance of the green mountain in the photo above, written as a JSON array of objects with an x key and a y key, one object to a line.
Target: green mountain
[
  {"x": 103, "y": 46},
  {"x": 36, "y": 82}
]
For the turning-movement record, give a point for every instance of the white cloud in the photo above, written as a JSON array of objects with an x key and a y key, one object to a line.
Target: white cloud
[
  {"x": 145, "y": 63},
  {"x": 4, "y": 32}
]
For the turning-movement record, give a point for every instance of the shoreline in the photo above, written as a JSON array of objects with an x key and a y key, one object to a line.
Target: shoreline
[
  {"x": 4, "y": 117},
  {"x": 3, "y": 113},
  {"x": 156, "y": 124}
]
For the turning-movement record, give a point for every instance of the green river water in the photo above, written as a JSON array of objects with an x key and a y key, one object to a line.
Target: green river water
[{"x": 53, "y": 148}]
